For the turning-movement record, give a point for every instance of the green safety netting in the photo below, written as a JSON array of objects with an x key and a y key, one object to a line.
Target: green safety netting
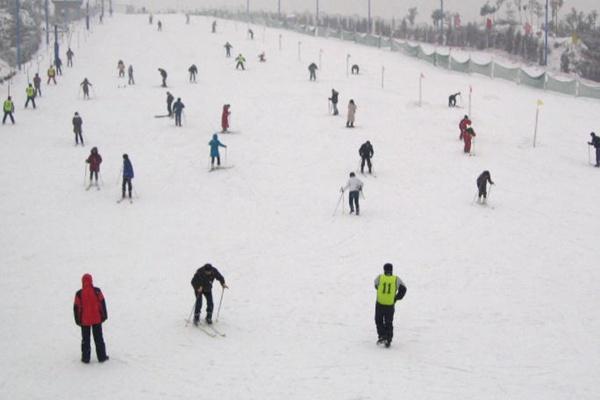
[
  {"x": 442, "y": 60},
  {"x": 533, "y": 81},
  {"x": 430, "y": 58},
  {"x": 510, "y": 74},
  {"x": 322, "y": 32},
  {"x": 395, "y": 45},
  {"x": 566, "y": 87},
  {"x": 411, "y": 50},
  {"x": 589, "y": 91},
  {"x": 348, "y": 36},
  {"x": 386, "y": 42},
  {"x": 483, "y": 69},
  {"x": 460, "y": 66},
  {"x": 335, "y": 33},
  {"x": 371, "y": 40}
]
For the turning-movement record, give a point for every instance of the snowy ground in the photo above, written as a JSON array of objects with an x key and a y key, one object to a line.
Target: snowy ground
[{"x": 502, "y": 302}]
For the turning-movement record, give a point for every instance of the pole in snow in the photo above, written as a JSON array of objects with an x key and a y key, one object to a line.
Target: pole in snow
[
  {"x": 382, "y": 75},
  {"x": 299, "y": 51},
  {"x": 320, "y": 57},
  {"x": 347, "y": 63},
  {"x": 546, "y": 36},
  {"x": 47, "y": 27},
  {"x": 537, "y": 116},
  {"x": 18, "y": 23},
  {"x": 421, "y": 89},
  {"x": 470, "y": 95},
  {"x": 280, "y": 42}
]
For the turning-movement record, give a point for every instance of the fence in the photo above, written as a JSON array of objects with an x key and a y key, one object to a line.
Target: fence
[{"x": 492, "y": 69}]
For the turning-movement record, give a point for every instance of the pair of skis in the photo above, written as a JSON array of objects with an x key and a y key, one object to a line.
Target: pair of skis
[{"x": 209, "y": 330}]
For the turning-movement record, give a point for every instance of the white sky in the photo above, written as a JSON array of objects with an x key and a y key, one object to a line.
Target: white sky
[{"x": 469, "y": 9}]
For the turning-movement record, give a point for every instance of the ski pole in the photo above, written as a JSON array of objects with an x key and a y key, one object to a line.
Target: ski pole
[
  {"x": 101, "y": 180},
  {"x": 84, "y": 173},
  {"x": 220, "y": 302},
  {"x": 119, "y": 176},
  {"x": 589, "y": 155},
  {"x": 189, "y": 318},
  {"x": 474, "y": 198},
  {"x": 338, "y": 204},
  {"x": 226, "y": 156},
  {"x": 489, "y": 191}
]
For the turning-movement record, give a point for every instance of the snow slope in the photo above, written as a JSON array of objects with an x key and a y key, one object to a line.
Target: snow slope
[{"x": 502, "y": 302}]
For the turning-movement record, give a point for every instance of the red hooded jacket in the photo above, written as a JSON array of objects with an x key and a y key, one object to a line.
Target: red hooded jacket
[
  {"x": 89, "y": 307},
  {"x": 94, "y": 160},
  {"x": 225, "y": 117}
]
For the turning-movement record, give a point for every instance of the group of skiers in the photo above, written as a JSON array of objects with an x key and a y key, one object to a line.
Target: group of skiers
[
  {"x": 351, "y": 115},
  {"x": 175, "y": 109},
  {"x": 95, "y": 159}
]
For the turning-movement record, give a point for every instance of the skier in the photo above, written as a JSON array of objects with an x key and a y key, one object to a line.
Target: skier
[
  {"x": 468, "y": 137},
  {"x": 9, "y": 108},
  {"x": 355, "y": 186},
  {"x": 163, "y": 75},
  {"x": 70, "y": 55},
  {"x": 131, "y": 81},
  {"x": 51, "y": 75},
  {"x": 121, "y": 68},
  {"x": 366, "y": 153},
  {"x": 482, "y": 182},
  {"x": 225, "y": 118},
  {"x": 193, "y": 70},
  {"x": 214, "y": 27},
  {"x": 94, "y": 160},
  {"x": 390, "y": 288},
  {"x": 58, "y": 63},
  {"x": 202, "y": 283},
  {"x": 170, "y": 99},
  {"x": 30, "y": 91},
  {"x": 159, "y": 24},
  {"x": 187, "y": 19},
  {"x": 77, "y": 124},
  {"x": 127, "y": 176},
  {"x": 86, "y": 88},
  {"x": 150, "y": 18},
  {"x": 262, "y": 57},
  {"x": 312, "y": 68},
  {"x": 334, "y": 100},
  {"x": 37, "y": 83},
  {"x": 351, "y": 114},
  {"x": 240, "y": 60},
  {"x": 355, "y": 69},
  {"x": 463, "y": 125},
  {"x": 214, "y": 151},
  {"x": 596, "y": 143},
  {"x": 178, "y": 109},
  {"x": 89, "y": 309},
  {"x": 452, "y": 99},
  {"x": 251, "y": 34},
  {"x": 228, "y": 48}
]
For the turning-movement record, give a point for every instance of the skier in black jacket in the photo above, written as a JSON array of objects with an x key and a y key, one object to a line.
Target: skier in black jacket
[
  {"x": 202, "y": 284},
  {"x": 482, "y": 182},
  {"x": 170, "y": 99},
  {"x": 366, "y": 152},
  {"x": 334, "y": 100},
  {"x": 163, "y": 75},
  {"x": 596, "y": 143}
]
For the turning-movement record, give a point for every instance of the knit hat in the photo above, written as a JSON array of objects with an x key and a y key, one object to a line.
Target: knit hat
[{"x": 388, "y": 268}]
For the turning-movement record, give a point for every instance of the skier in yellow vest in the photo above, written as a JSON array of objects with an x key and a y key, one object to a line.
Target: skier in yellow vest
[
  {"x": 9, "y": 108},
  {"x": 389, "y": 288},
  {"x": 30, "y": 91},
  {"x": 51, "y": 75}
]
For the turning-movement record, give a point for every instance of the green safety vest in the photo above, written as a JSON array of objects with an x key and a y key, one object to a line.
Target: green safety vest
[
  {"x": 30, "y": 91},
  {"x": 8, "y": 106},
  {"x": 386, "y": 291}
]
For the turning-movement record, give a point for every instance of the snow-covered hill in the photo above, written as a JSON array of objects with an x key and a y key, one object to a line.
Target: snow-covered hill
[{"x": 502, "y": 300}]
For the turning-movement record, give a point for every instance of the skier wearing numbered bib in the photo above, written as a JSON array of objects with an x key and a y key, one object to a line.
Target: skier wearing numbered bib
[{"x": 390, "y": 288}]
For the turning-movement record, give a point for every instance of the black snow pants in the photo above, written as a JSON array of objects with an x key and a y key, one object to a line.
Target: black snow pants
[
  {"x": 482, "y": 191},
  {"x": 366, "y": 160},
  {"x": 126, "y": 182},
  {"x": 353, "y": 200},
  {"x": 597, "y": 156},
  {"x": 32, "y": 99},
  {"x": 98, "y": 341},
  {"x": 8, "y": 114},
  {"x": 78, "y": 136},
  {"x": 384, "y": 320},
  {"x": 209, "y": 304}
]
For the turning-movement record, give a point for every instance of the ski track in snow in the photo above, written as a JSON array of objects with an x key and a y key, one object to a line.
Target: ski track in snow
[{"x": 501, "y": 303}]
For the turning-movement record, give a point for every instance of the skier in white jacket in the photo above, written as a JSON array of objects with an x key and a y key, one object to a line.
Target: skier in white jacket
[{"x": 354, "y": 186}]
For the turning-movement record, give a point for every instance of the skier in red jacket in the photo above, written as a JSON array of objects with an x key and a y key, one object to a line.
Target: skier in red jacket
[
  {"x": 225, "y": 118},
  {"x": 94, "y": 160},
  {"x": 89, "y": 309},
  {"x": 468, "y": 135},
  {"x": 463, "y": 125}
]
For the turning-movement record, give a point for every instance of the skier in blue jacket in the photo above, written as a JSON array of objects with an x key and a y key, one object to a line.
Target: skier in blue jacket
[
  {"x": 214, "y": 150},
  {"x": 127, "y": 175}
]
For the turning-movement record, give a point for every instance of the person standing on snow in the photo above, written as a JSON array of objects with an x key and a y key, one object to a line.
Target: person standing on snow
[
  {"x": 30, "y": 92},
  {"x": 121, "y": 68},
  {"x": 58, "y": 63},
  {"x": 225, "y": 118},
  {"x": 77, "y": 124},
  {"x": 89, "y": 309},
  {"x": 159, "y": 25},
  {"x": 170, "y": 99},
  {"x": 163, "y": 75},
  {"x": 463, "y": 125},
  {"x": 240, "y": 60},
  {"x": 127, "y": 176},
  {"x": 94, "y": 160},
  {"x": 390, "y": 289},
  {"x": 51, "y": 75},
  {"x": 366, "y": 153},
  {"x": 251, "y": 34},
  {"x": 228, "y": 48},
  {"x": 70, "y": 55},
  {"x": 214, "y": 151},
  {"x": 9, "y": 108},
  {"x": 355, "y": 186},
  {"x": 262, "y": 57},
  {"x": 131, "y": 81},
  {"x": 193, "y": 70},
  {"x": 177, "y": 110},
  {"x": 351, "y": 114},
  {"x": 468, "y": 136},
  {"x": 214, "y": 27},
  {"x": 596, "y": 143},
  {"x": 202, "y": 283},
  {"x": 37, "y": 83},
  {"x": 86, "y": 88},
  {"x": 452, "y": 99},
  {"x": 482, "y": 182},
  {"x": 312, "y": 68},
  {"x": 334, "y": 100}
]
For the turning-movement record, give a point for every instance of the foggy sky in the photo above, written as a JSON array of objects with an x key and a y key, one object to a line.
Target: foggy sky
[{"x": 469, "y": 9}]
